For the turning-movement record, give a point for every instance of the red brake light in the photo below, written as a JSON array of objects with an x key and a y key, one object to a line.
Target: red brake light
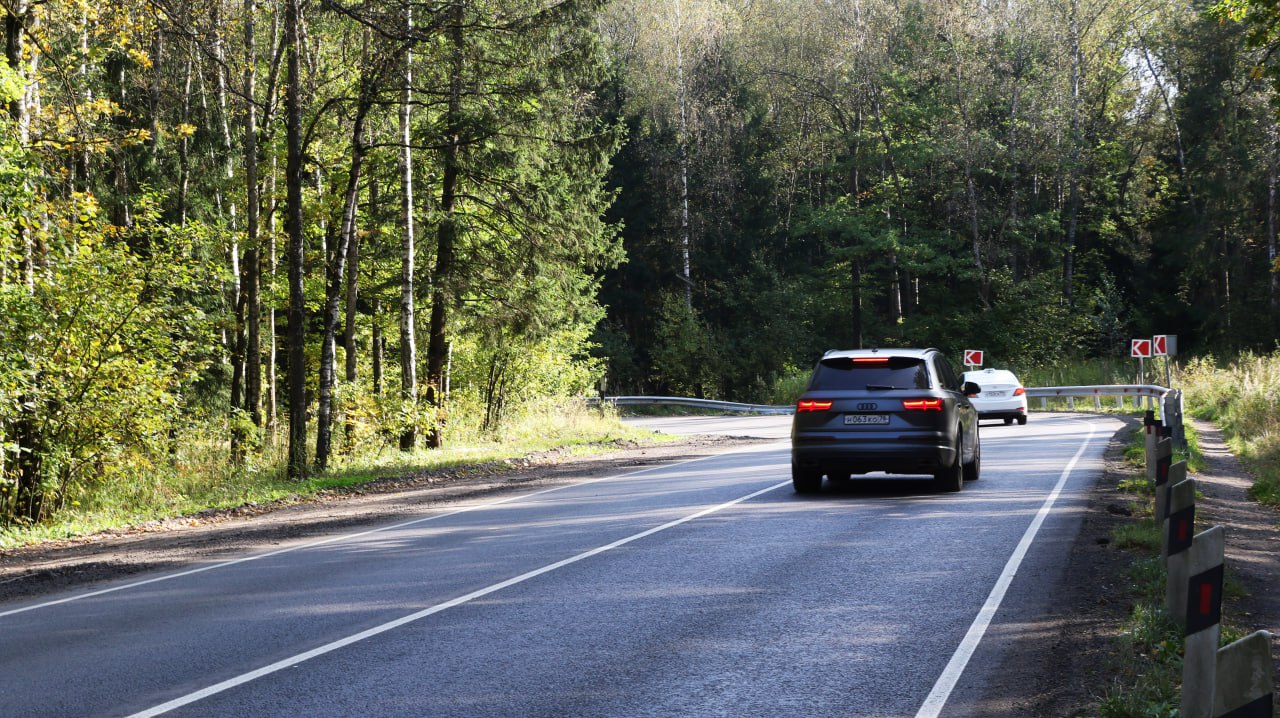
[
  {"x": 813, "y": 406},
  {"x": 873, "y": 361},
  {"x": 1019, "y": 391},
  {"x": 922, "y": 404}
]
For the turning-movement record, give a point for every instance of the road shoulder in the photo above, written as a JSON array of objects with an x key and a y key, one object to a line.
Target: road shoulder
[{"x": 1066, "y": 663}]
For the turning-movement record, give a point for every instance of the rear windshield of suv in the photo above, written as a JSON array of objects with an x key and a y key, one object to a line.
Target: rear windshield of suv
[{"x": 864, "y": 373}]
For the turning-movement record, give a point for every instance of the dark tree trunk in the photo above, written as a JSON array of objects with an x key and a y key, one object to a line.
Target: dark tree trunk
[
  {"x": 446, "y": 241},
  {"x": 252, "y": 267},
  {"x": 294, "y": 171},
  {"x": 379, "y": 346}
]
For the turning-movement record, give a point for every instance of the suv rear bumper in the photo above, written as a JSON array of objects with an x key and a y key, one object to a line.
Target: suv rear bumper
[{"x": 900, "y": 455}]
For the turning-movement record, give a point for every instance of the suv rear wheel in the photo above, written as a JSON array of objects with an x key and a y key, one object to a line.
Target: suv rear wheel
[
  {"x": 973, "y": 469},
  {"x": 805, "y": 481},
  {"x": 951, "y": 477}
]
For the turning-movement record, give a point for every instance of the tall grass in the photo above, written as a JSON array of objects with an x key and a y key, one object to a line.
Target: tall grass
[
  {"x": 1082, "y": 372},
  {"x": 199, "y": 475},
  {"x": 1242, "y": 396}
]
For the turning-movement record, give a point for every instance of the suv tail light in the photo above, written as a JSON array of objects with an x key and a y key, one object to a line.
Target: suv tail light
[
  {"x": 1019, "y": 391},
  {"x": 813, "y": 406},
  {"x": 922, "y": 404}
]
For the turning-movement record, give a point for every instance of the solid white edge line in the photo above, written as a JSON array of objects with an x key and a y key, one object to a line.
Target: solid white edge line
[
  {"x": 390, "y": 625},
  {"x": 946, "y": 682},
  {"x": 345, "y": 537}
]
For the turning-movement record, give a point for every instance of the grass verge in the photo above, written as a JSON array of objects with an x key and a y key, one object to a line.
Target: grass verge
[
  {"x": 197, "y": 482},
  {"x": 1147, "y": 667}
]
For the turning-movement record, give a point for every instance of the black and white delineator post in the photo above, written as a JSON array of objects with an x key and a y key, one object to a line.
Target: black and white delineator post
[
  {"x": 1244, "y": 682},
  {"x": 1179, "y": 529},
  {"x": 1203, "y": 617},
  {"x": 1151, "y": 427},
  {"x": 1174, "y": 475},
  {"x": 1164, "y": 459}
]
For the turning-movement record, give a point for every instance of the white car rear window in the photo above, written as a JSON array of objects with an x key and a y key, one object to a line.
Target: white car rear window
[{"x": 983, "y": 378}]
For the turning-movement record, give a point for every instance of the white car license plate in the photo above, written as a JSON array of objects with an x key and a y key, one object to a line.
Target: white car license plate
[
  {"x": 864, "y": 419},
  {"x": 995, "y": 394}
]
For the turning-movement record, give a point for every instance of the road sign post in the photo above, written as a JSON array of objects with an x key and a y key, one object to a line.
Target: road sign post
[
  {"x": 1165, "y": 345},
  {"x": 1141, "y": 349},
  {"x": 973, "y": 358}
]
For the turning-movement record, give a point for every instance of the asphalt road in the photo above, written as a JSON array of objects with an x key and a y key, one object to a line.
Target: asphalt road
[{"x": 696, "y": 589}]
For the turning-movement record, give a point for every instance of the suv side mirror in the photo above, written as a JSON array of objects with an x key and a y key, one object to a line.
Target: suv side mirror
[{"x": 971, "y": 389}]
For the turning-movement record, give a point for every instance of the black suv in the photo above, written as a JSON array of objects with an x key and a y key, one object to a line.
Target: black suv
[{"x": 901, "y": 411}]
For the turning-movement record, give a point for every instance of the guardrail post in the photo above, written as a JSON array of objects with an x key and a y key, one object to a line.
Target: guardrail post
[
  {"x": 1179, "y": 529},
  {"x": 1203, "y": 617},
  {"x": 1244, "y": 683},
  {"x": 1179, "y": 428}
]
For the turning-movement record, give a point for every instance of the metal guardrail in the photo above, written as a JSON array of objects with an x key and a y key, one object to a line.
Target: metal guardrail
[
  {"x": 1152, "y": 392},
  {"x": 693, "y": 403},
  {"x": 1098, "y": 390}
]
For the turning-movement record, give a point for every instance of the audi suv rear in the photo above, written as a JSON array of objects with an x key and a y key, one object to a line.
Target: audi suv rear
[{"x": 900, "y": 411}]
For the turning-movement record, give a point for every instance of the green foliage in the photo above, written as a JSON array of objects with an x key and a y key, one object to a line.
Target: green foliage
[
  {"x": 684, "y": 356},
  {"x": 947, "y": 188},
  {"x": 1148, "y": 676},
  {"x": 1148, "y": 670},
  {"x": 96, "y": 351}
]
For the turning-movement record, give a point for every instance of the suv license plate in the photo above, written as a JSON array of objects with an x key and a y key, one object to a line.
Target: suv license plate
[{"x": 863, "y": 419}]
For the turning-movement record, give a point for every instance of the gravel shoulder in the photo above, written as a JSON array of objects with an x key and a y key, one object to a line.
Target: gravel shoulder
[{"x": 1060, "y": 671}]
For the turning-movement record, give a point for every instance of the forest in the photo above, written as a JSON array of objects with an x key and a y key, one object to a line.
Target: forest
[{"x": 291, "y": 231}]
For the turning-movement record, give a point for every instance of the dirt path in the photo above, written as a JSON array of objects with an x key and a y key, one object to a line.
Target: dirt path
[{"x": 1252, "y": 538}]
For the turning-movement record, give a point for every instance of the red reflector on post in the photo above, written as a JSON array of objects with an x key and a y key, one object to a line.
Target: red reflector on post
[
  {"x": 922, "y": 404},
  {"x": 1206, "y": 598},
  {"x": 813, "y": 406}
]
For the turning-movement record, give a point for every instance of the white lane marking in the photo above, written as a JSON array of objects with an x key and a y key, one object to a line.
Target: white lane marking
[
  {"x": 946, "y": 682},
  {"x": 391, "y": 625},
  {"x": 348, "y": 537}
]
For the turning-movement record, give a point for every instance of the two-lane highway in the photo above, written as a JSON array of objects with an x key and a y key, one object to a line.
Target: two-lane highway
[{"x": 701, "y": 588}]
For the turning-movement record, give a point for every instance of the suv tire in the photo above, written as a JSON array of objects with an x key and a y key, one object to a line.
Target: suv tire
[
  {"x": 973, "y": 469},
  {"x": 950, "y": 477},
  {"x": 805, "y": 481}
]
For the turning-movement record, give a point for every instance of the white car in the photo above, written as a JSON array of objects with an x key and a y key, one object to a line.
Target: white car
[{"x": 1002, "y": 395}]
